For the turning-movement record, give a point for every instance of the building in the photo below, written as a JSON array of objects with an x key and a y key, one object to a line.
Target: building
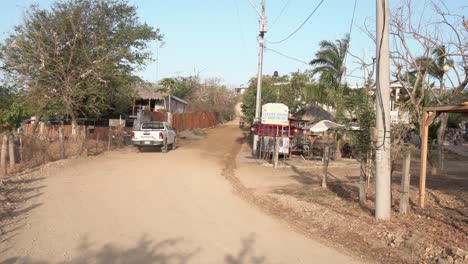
[
  {"x": 154, "y": 98},
  {"x": 241, "y": 90}
]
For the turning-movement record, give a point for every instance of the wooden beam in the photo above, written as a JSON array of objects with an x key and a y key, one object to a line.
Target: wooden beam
[
  {"x": 431, "y": 117},
  {"x": 462, "y": 108},
  {"x": 422, "y": 170}
]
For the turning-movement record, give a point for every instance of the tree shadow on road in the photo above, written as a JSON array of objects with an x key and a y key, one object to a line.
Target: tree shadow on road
[
  {"x": 146, "y": 251},
  {"x": 15, "y": 192},
  {"x": 245, "y": 254}
]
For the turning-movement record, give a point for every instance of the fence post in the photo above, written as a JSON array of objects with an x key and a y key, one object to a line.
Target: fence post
[
  {"x": 405, "y": 182},
  {"x": 21, "y": 147},
  {"x": 326, "y": 155},
  {"x": 62, "y": 143},
  {"x": 276, "y": 153},
  {"x": 41, "y": 130},
  {"x": 109, "y": 138},
  {"x": 3, "y": 154},
  {"x": 11, "y": 148},
  {"x": 97, "y": 143},
  {"x": 362, "y": 181}
]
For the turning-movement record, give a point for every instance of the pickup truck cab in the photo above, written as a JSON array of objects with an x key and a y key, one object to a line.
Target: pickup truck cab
[{"x": 153, "y": 134}]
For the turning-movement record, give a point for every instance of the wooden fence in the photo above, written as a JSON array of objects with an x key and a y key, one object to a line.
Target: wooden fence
[
  {"x": 188, "y": 121},
  {"x": 51, "y": 132},
  {"x": 180, "y": 122}
]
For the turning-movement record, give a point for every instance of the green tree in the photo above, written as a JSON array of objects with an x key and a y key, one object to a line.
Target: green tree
[
  {"x": 269, "y": 95},
  {"x": 78, "y": 53},
  {"x": 12, "y": 110}
]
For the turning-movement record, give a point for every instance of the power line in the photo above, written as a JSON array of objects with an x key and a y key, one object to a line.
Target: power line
[
  {"x": 240, "y": 23},
  {"x": 280, "y": 14},
  {"x": 297, "y": 29},
  {"x": 350, "y": 30},
  {"x": 286, "y": 56},
  {"x": 352, "y": 18}
]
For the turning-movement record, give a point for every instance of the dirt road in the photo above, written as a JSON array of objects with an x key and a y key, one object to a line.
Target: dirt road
[{"x": 129, "y": 207}]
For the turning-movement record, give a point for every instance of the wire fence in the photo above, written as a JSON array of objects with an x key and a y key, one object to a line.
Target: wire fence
[{"x": 28, "y": 149}]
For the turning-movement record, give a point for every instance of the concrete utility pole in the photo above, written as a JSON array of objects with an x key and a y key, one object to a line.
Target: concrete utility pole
[
  {"x": 382, "y": 157},
  {"x": 261, "y": 43}
]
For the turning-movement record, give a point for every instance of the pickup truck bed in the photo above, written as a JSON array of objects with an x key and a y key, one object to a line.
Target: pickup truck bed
[{"x": 154, "y": 134}]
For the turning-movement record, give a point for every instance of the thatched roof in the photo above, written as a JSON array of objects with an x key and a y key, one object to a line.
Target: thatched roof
[
  {"x": 150, "y": 91},
  {"x": 315, "y": 113}
]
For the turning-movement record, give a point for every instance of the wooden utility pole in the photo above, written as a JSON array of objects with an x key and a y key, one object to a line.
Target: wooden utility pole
[
  {"x": 382, "y": 155},
  {"x": 405, "y": 182},
  {"x": 422, "y": 177}
]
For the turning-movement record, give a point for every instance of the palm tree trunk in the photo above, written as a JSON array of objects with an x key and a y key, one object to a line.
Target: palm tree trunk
[
  {"x": 338, "y": 139},
  {"x": 441, "y": 133}
]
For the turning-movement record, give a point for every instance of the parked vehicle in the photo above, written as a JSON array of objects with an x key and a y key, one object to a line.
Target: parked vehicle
[{"x": 152, "y": 134}]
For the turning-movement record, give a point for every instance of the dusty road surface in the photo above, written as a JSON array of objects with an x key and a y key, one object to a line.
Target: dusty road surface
[{"x": 129, "y": 207}]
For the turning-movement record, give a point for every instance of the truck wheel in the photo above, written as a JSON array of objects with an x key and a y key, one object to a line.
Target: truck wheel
[
  {"x": 164, "y": 147},
  {"x": 140, "y": 148},
  {"x": 174, "y": 144}
]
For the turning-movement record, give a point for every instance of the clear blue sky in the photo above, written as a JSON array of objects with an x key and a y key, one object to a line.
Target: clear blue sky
[{"x": 218, "y": 38}]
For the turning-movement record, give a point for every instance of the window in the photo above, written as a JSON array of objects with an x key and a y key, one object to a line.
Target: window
[{"x": 153, "y": 125}]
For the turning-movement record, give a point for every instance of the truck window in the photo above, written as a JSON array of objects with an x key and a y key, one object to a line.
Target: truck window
[{"x": 152, "y": 125}]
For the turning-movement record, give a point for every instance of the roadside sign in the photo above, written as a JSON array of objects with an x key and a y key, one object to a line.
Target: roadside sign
[
  {"x": 275, "y": 114},
  {"x": 117, "y": 122}
]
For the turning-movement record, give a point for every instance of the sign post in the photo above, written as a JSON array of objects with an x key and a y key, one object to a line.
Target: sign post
[{"x": 275, "y": 114}]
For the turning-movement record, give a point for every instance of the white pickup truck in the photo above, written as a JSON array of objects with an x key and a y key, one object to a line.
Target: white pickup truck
[{"x": 153, "y": 134}]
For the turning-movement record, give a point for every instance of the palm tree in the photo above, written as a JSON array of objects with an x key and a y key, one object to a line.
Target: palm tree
[{"x": 329, "y": 63}]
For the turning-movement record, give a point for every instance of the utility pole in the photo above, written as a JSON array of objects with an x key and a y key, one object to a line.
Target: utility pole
[
  {"x": 382, "y": 157},
  {"x": 261, "y": 43}
]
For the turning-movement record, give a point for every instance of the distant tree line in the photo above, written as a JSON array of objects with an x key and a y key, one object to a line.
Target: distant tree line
[{"x": 206, "y": 95}]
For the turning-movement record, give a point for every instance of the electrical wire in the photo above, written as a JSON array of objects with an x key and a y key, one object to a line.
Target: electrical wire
[
  {"x": 240, "y": 23},
  {"x": 350, "y": 31},
  {"x": 377, "y": 83},
  {"x": 297, "y": 29},
  {"x": 286, "y": 56},
  {"x": 280, "y": 14},
  {"x": 352, "y": 18}
]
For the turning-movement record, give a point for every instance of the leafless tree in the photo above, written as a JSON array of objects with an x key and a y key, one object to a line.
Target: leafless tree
[{"x": 429, "y": 48}]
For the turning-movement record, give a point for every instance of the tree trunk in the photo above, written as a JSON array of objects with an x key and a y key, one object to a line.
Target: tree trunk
[
  {"x": 440, "y": 141},
  {"x": 38, "y": 117},
  {"x": 338, "y": 139}
]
